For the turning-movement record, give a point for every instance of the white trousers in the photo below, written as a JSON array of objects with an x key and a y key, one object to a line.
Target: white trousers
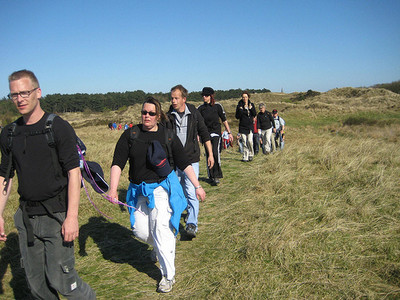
[
  {"x": 248, "y": 151},
  {"x": 153, "y": 227},
  {"x": 266, "y": 140}
]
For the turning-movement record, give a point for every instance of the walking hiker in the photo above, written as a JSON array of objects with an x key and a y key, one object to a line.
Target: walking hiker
[
  {"x": 155, "y": 191},
  {"x": 265, "y": 123},
  {"x": 188, "y": 123},
  {"x": 49, "y": 189},
  {"x": 245, "y": 113},
  {"x": 278, "y": 131},
  {"x": 256, "y": 137},
  {"x": 212, "y": 112}
]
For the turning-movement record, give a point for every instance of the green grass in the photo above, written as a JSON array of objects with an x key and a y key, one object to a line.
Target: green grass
[{"x": 318, "y": 220}]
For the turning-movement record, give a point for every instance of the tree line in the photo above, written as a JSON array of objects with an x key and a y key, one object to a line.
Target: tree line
[{"x": 61, "y": 103}]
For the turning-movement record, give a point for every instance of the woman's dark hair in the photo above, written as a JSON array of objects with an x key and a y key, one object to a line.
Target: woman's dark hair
[
  {"x": 246, "y": 92},
  {"x": 157, "y": 104},
  {"x": 212, "y": 100}
]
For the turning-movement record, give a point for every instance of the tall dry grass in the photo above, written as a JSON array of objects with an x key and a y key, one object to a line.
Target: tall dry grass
[{"x": 318, "y": 220}]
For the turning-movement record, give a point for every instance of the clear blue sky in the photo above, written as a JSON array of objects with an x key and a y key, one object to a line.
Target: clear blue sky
[{"x": 116, "y": 46}]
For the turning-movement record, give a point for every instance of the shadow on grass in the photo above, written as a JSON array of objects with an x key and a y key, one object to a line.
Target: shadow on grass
[
  {"x": 10, "y": 255},
  {"x": 117, "y": 244}
]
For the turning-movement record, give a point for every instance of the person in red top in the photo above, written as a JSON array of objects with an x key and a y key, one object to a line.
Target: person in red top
[{"x": 256, "y": 137}]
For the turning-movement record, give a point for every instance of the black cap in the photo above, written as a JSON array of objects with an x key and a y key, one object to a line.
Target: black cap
[
  {"x": 274, "y": 111},
  {"x": 96, "y": 177},
  {"x": 207, "y": 91},
  {"x": 158, "y": 159}
]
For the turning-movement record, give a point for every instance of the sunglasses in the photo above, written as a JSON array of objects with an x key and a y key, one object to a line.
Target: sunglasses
[{"x": 151, "y": 113}]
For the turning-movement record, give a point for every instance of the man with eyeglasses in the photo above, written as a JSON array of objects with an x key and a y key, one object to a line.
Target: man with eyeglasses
[
  {"x": 188, "y": 124},
  {"x": 47, "y": 218}
]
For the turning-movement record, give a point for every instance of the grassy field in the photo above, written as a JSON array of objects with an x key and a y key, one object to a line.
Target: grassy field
[{"x": 318, "y": 220}]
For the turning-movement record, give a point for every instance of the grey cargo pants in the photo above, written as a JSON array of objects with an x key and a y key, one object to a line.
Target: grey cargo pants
[{"x": 50, "y": 263}]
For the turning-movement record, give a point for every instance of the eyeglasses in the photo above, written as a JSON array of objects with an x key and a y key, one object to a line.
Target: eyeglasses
[
  {"x": 23, "y": 94},
  {"x": 151, "y": 113}
]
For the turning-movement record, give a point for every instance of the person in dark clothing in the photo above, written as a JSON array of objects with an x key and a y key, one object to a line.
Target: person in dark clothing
[
  {"x": 212, "y": 112},
  {"x": 256, "y": 138},
  {"x": 265, "y": 123},
  {"x": 188, "y": 124},
  {"x": 245, "y": 113},
  {"x": 47, "y": 218},
  {"x": 155, "y": 196}
]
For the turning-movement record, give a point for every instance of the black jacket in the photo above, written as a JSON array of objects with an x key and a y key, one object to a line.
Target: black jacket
[
  {"x": 265, "y": 120},
  {"x": 196, "y": 127},
  {"x": 245, "y": 116}
]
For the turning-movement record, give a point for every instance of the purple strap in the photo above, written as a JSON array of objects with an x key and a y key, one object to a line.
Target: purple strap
[{"x": 103, "y": 194}]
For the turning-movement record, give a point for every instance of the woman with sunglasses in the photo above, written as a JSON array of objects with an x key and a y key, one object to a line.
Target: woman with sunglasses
[{"x": 155, "y": 196}]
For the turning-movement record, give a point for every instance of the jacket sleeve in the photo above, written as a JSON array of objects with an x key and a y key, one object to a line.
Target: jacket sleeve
[
  {"x": 202, "y": 128},
  {"x": 5, "y": 153},
  {"x": 221, "y": 112},
  {"x": 253, "y": 110},
  {"x": 239, "y": 111}
]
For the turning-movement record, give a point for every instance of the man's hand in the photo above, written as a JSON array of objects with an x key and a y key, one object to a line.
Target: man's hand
[
  {"x": 70, "y": 229},
  {"x": 210, "y": 161},
  {"x": 201, "y": 194},
  {"x": 231, "y": 137}
]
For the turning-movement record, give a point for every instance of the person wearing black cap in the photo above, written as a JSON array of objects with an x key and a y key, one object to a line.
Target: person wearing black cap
[
  {"x": 245, "y": 113},
  {"x": 49, "y": 189},
  {"x": 155, "y": 195},
  {"x": 212, "y": 112}
]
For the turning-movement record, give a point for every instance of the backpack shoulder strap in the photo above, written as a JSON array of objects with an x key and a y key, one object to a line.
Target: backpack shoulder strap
[
  {"x": 133, "y": 135},
  {"x": 48, "y": 131},
  {"x": 11, "y": 134},
  {"x": 168, "y": 143}
]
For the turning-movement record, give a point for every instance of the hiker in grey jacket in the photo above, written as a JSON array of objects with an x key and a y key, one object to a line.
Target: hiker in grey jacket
[{"x": 188, "y": 123}]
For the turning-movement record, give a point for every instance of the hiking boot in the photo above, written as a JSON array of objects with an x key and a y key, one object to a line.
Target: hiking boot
[
  {"x": 216, "y": 180},
  {"x": 191, "y": 230},
  {"x": 165, "y": 285}
]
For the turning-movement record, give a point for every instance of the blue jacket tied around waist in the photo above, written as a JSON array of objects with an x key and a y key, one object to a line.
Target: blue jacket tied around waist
[{"x": 171, "y": 184}]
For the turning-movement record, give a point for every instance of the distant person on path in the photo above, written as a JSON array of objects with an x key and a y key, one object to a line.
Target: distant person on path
[
  {"x": 245, "y": 113},
  {"x": 265, "y": 123},
  {"x": 278, "y": 131},
  {"x": 212, "y": 112},
  {"x": 188, "y": 123},
  {"x": 155, "y": 190},
  {"x": 226, "y": 140},
  {"x": 47, "y": 217}
]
